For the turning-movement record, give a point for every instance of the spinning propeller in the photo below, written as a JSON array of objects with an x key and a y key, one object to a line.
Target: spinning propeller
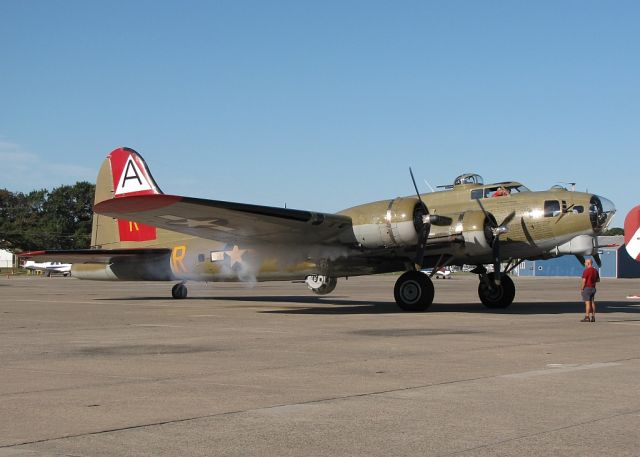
[
  {"x": 423, "y": 232},
  {"x": 425, "y": 227},
  {"x": 497, "y": 230},
  {"x": 595, "y": 256}
]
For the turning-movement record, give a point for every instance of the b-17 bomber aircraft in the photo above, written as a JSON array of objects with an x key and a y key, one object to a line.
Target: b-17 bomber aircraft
[{"x": 142, "y": 234}]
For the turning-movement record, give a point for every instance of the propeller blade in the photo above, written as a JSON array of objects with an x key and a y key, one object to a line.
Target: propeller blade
[
  {"x": 496, "y": 259},
  {"x": 425, "y": 229},
  {"x": 598, "y": 260},
  {"x": 422, "y": 243},
  {"x": 508, "y": 219},
  {"x": 486, "y": 215},
  {"x": 415, "y": 186},
  {"x": 580, "y": 259},
  {"x": 497, "y": 231}
]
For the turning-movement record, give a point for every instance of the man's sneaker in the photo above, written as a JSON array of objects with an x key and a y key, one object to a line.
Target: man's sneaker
[
  {"x": 593, "y": 318},
  {"x": 586, "y": 319}
]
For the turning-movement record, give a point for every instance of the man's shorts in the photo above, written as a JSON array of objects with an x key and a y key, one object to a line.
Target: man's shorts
[{"x": 588, "y": 293}]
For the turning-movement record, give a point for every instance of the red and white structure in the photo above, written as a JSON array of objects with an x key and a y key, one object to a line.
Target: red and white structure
[{"x": 632, "y": 233}]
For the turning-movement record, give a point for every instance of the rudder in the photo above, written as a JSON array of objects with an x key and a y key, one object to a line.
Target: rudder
[{"x": 123, "y": 173}]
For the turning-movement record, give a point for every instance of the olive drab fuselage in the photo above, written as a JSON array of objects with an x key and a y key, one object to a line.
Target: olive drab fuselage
[
  {"x": 141, "y": 233},
  {"x": 544, "y": 225},
  {"x": 383, "y": 237}
]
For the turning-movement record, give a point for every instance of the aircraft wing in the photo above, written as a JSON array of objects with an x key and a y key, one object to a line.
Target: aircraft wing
[
  {"x": 92, "y": 255},
  {"x": 230, "y": 222}
]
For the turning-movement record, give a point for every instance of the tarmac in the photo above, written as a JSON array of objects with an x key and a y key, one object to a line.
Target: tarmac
[{"x": 113, "y": 369}]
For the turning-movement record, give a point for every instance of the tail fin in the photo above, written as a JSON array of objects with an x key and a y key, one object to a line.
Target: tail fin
[
  {"x": 632, "y": 233},
  {"x": 123, "y": 173}
]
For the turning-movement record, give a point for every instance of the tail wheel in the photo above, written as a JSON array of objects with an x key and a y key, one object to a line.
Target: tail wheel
[
  {"x": 179, "y": 291},
  {"x": 413, "y": 291},
  {"x": 321, "y": 285},
  {"x": 494, "y": 296}
]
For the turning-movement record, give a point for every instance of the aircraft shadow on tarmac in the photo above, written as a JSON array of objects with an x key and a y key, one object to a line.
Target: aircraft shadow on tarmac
[
  {"x": 337, "y": 305},
  {"x": 523, "y": 308}
]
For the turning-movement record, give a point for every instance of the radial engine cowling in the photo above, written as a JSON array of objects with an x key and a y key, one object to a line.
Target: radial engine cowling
[
  {"x": 387, "y": 224},
  {"x": 475, "y": 228},
  {"x": 129, "y": 269}
]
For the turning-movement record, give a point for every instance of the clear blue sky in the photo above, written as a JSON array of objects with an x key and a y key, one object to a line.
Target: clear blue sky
[{"x": 325, "y": 104}]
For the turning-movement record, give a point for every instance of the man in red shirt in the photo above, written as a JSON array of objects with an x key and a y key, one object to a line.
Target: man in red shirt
[
  {"x": 501, "y": 192},
  {"x": 590, "y": 277}
]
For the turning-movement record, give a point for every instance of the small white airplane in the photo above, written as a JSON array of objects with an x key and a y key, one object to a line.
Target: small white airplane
[
  {"x": 440, "y": 273},
  {"x": 49, "y": 268}
]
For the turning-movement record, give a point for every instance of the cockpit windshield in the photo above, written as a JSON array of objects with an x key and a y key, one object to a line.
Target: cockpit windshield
[{"x": 498, "y": 191}]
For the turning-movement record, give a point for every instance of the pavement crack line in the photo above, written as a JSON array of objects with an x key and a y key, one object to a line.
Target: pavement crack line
[
  {"x": 540, "y": 433},
  {"x": 242, "y": 411},
  {"x": 316, "y": 401}
]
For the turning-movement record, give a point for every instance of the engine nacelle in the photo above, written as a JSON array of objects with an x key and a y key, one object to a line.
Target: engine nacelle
[
  {"x": 475, "y": 229},
  {"x": 396, "y": 223},
  {"x": 386, "y": 224},
  {"x": 93, "y": 271},
  {"x": 131, "y": 269}
]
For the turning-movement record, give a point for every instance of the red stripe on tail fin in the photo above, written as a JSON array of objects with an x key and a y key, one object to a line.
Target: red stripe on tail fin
[{"x": 135, "y": 231}]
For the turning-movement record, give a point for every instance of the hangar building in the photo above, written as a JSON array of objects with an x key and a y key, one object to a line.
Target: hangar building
[
  {"x": 6, "y": 259},
  {"x": 616, "y": 262}
]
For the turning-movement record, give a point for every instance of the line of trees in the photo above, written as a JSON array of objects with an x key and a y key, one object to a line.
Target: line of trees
[{"x": 42, "y": 219}]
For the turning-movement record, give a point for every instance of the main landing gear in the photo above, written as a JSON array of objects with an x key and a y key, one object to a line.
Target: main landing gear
[
  {"x": 413, "y": 291},
  {"x": 496, "y": 296},
  {"x": 179, "y": 291}
]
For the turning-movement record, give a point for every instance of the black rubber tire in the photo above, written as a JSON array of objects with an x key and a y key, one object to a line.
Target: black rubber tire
[
  {"x": 179, "y": 291},
  {"x": 499, "y": 298},
  {"x": 327, "y": 287},
  {"x": 414, "y": 291}
]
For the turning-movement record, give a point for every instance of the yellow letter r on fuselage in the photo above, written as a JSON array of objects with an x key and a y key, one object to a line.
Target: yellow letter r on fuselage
[{"x": 178, "y": 253}]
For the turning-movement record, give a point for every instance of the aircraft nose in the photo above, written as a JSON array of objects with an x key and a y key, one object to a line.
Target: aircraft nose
[{"x": 601, "y": 210}]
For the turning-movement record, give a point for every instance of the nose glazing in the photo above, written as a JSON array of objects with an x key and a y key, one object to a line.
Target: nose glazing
[{"x": 601, "y": 210}]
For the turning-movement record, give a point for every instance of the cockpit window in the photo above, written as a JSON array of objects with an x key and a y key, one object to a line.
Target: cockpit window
[
  {"x": 551, "y": 208},
  {"x": 497, "y": 191}
]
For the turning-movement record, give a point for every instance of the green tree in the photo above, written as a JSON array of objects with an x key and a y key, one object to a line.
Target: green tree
[
  {"x": 20, "y": 218},
  {"x": 60, "y": 219},
  {"x": 614, "y": 231},
  {"x": 67, "y": 216}
]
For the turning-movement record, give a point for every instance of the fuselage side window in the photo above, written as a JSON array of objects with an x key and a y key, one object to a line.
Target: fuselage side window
[
  {"x": 477, "y": 194},
  {"x": 217, "y": 256},
  {"x": 551, "y": 208}
]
